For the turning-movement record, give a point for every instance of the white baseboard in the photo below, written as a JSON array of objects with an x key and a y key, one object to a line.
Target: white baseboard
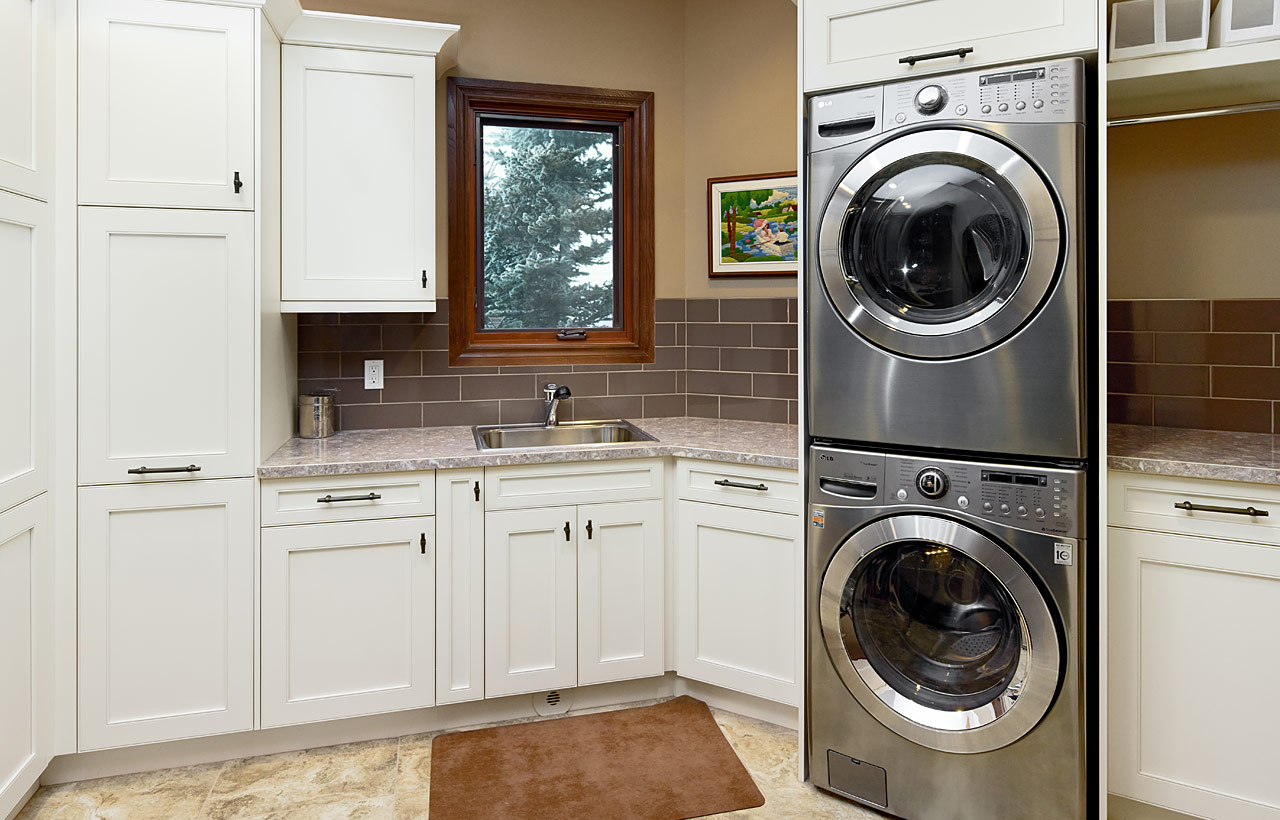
[
  {"x": 150, "y": 757},
  {"x": 1122, "y": 808},
  {"x": 12, "y": 813}
]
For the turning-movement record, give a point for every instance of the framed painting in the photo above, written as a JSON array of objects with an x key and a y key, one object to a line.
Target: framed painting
[{"x": 753, "y": 225}]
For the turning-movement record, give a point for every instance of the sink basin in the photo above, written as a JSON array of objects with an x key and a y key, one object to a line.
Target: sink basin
[{"x": 565, "y": 434}]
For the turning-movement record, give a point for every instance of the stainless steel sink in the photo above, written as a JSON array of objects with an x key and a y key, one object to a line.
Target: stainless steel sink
[{"x": 565, "y": 434}]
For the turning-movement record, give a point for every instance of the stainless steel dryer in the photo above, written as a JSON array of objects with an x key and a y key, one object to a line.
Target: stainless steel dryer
[
  {"x": 945, "y": 248},
  {"x": 945, "y": 636}
]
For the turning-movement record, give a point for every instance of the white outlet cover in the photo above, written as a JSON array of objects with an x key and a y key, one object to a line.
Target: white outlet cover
[{"x": 373, "y": 374}]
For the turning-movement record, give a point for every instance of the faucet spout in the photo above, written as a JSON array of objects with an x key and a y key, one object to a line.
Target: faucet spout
[{"x": 554, "y": 393}]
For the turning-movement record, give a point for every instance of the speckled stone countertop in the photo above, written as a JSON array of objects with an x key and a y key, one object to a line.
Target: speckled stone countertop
[
  {"x": 1253, "y": 457},
  {"x": 440, "y": 448}
]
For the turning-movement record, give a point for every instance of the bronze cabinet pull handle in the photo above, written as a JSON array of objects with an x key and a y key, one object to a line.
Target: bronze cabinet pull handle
[
  {"x": 190, "y": 468},
  {"x": 1253, "y": 512},
  {"x": 329, "y": 499},
  {"x": 724, "y": 482},
  {"x": 912, "y": 59}
]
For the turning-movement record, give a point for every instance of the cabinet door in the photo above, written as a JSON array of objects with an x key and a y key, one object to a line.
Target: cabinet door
[
  {"x": 530, "y": 628},
  {"x": 359, "y": 186},
  {"x": 347, "y": 619},
  {"x": 1192, "y": 671},
  {"x": 459, "y": 585},
  {"x": 26, "y": 96},
  {"x": 166, "y": 104},
  {"x": 166, "y": 612},
  {"x": 25, "y": 321},
  {"x": 853, "y": 42},
  {"x": 737, "y": 599},
  {"x": 620, "y": 591},
  {"x": 166, "y": 343},
  {"x": 26, "y": 645}
]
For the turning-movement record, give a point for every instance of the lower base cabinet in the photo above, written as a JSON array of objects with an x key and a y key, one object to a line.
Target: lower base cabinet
[
  {"x": 166, "y": 611},
  {"x": 26, "y": 649},
  {"x": 348, "y": 619},
  {"x": 737, "y": 601}
]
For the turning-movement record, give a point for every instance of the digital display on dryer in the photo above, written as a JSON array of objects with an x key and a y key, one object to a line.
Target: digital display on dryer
[{"x": 1012, "y": 77}]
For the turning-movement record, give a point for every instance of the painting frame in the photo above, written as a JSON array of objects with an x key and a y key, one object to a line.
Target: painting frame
[{"x": 719, "y": 263}]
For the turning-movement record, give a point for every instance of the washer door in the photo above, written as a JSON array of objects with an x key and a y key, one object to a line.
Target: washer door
[
  {"x": 939, "y": 243},
  {"x": 940, "y": 634}
]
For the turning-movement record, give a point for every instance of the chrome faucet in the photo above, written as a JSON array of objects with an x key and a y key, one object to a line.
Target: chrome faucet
[{"x": 554, "y": 393}]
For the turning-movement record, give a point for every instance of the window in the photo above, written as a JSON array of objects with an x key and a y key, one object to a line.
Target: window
[{"x": 550, "y": 224}]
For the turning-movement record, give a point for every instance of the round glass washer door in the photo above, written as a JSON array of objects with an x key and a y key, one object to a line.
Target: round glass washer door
[
  {"x": 940, "y": 634},
  {"x": 939, "y": 243}
]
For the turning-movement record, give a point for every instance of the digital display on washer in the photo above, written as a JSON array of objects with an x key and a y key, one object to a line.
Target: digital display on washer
[
  {"x": 1012, "y": 77},
  {"x": 1024, "y": 479}
]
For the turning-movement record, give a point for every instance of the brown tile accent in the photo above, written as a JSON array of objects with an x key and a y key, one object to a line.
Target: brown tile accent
[
  {"x": 775, "y": 386},
  {"x": 703, "y": 358},
  {"x": 319, "y": 365},
  {"x": 644, "y": 383},
  {"x": 1130, "y": 409},
  {"x": 682, "y": 381},
  {"x": 604, "y": 368},
  {"x": 682, "y": 333},
  {"x": 1213, "y": 414},
  {"x": 436, "y": 363},
  {"x": 1246, "y": 383},
  {"x": 793, "y": 412},
  {"x": 1212, "y": 348},
  {"x": 608, "y": 407},
  {"x": 1158, "y": 379},
  {"x": 793, "y": 310},
  {"x": 319, "y": 318},
  {"x": 781, "y": 335},
  {"x": 422, "y": 388},
  {"x": 753, "y": 310},
  {"x": 414, "y": 337},
  {"x": 668, "y": 358},
  {"x": 582, "y": 384},
  {"x": 350, "y": 391},
  {"x": 702, "y": 310},
  {"x": 668, "y": 310},
  {"x": 704, "y": 407},
  {"x": 497, "y": 387},
  {"x": 509, "y": 370},
  {"x": 664, "y": 334},
  {"x": 750, "y": 409},
  {"x": 458, "y": 413},
  {"x": 394, "y": 363},
  {"x": 719, "y": 335},
  {"x": 1239, "y": 315},
  {"x": 1158, "y": 314},
  {"x": 753, "y": 359},
  {"x": 380, "y": 318},
  {"x": 667, "y": 405},
  {"x": 377, "y": 416},
  {"x": 793, "y": 361},
  {"x": 1130, "y": 347},
  {"x": 722, "y": 384},
  {"x": 523, "y": 411},
  {"x": 318, "y": 337}
]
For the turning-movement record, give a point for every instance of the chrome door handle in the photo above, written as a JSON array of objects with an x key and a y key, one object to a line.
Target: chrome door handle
[
  {"x": 329, "y": 499},
  {"x": 1250, "y": 511},
  {"x": 724, "y": 482},
  {"x": 190, "y": 468}
]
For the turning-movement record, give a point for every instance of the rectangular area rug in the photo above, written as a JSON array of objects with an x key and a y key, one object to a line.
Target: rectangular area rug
[{"x": 669, "y": 761}]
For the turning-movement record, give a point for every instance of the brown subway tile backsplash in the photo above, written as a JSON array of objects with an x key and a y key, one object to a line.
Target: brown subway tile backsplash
[
  {"x": 1194, "y": 363},
  {"x": 740, "y": 349}
]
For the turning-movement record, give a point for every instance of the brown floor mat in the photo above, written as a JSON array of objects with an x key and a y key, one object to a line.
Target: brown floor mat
[{"x": 664, "y": 762}]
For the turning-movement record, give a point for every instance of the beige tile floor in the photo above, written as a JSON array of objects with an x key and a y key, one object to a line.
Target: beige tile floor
[{"x": 380, "y": 780}]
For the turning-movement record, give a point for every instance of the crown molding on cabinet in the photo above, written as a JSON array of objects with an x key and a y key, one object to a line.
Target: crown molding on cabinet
[{"x": 300, "y": 27}]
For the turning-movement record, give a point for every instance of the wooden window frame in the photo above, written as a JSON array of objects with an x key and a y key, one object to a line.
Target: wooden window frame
[{"x": 468, "y": 101}]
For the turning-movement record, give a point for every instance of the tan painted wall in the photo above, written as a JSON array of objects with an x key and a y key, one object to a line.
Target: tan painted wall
[
  {"x": 1194, "y": 209},
  {"x": 674, "y": 48}
]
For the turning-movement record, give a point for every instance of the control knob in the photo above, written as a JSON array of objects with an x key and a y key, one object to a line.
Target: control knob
[
  {"x": 930, "y": 99},
  {"x": 932, "y": 483}
]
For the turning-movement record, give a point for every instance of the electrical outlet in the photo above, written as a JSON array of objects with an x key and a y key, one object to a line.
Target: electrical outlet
[{"x": 373, "y": 374}]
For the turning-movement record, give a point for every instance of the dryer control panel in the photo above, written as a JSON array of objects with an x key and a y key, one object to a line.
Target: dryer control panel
[
  {"x": 1047, "y": 500},
  {"x": 1047, "y": 92}
]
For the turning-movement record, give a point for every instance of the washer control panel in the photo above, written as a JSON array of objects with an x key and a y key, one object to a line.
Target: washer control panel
[{"x": 1048, "y": 92}]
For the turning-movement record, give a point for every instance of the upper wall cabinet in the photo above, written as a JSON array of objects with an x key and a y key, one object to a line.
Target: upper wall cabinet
[
  {"x": 854, "y": 42},
  {"x": 26, "y": 96},
  {"x": 359, "y": 180},
  {"x": 166, "y": 104}
]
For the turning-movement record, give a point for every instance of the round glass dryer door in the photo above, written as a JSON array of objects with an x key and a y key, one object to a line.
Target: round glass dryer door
[
  {"x": 940, "y": 243},
  {"x": 940, "y": 633}
]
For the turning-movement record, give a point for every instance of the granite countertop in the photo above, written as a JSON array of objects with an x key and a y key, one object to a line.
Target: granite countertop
[
  {"x": 1253, "y": 457},
  {"x": 438, "y": 448}
]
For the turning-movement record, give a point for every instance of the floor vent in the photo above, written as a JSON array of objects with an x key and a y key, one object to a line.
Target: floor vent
[{"x": 554, "y": 702}]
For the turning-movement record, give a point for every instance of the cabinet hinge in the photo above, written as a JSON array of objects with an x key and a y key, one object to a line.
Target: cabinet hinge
[{"x": 423, "y": 543}]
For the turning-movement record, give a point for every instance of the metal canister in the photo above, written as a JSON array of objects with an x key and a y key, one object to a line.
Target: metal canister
[{"x": 315, "y": 413}]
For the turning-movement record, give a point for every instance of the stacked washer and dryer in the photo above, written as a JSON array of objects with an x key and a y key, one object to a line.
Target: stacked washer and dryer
[{"x": 946, "y": 383}]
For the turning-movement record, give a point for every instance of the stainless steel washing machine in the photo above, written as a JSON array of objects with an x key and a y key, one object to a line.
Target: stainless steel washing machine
[
  {"x": 945, "y": 636},
  {"x": 944, "y": 273}
]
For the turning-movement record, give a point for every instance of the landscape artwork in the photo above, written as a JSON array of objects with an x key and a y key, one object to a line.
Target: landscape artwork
[{"x": 753, "y": 225}]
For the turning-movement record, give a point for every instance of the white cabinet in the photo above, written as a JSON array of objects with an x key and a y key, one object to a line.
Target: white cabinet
[
  {"x": 26, "y": 97},
  {"x": 459, "y": 585},
  {"x": 166, "y": 585},
  {"x": 166, "y": 104},
  {"x": 347, "y": 619},
  {"x": 166, "y": 344},
  {"x": 573, "y": 596},
  {"x": 26, "y": 309},
  {"x": 737, "y": 599},
  {"x": 26, "y": 647},
  {"x": 1192, "y": 667},
  {"x": 359, "y": 180},
  {"x": 855, "y": 42}
]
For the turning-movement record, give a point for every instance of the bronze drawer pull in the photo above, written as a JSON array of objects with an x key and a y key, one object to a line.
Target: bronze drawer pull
[
  {"x": 190, "y": 468},
  {"x": 724, "y": 482},
  {"x": 1249, "y": 511},
  {"x": 329, "y": 499}
]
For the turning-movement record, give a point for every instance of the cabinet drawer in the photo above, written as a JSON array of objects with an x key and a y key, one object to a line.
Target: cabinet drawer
[
  {"x": 739, "y": 486},
  {"x": 1148, "y": 502},
  {"x": 546, "y": 485},
  {"x": 316, "y": 499}
]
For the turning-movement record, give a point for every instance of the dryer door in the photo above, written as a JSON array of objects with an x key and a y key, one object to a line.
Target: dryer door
[
  {"x": 940, "y": 243},
  {"x": 940, "y": 633}
]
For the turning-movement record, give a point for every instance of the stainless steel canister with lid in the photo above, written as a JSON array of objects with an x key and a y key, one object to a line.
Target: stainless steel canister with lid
[{"x": 315, "y": 413}]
